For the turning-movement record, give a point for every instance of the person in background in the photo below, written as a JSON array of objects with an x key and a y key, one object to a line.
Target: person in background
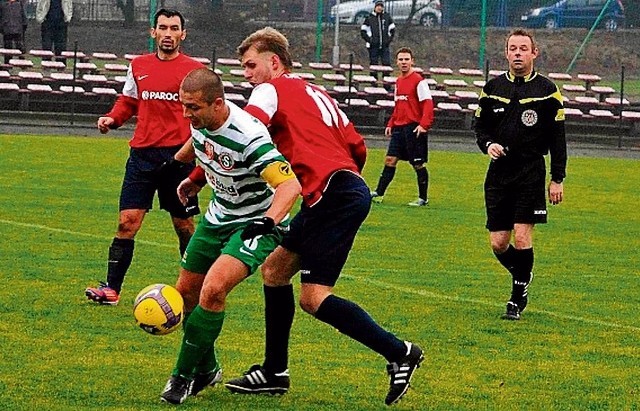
[
  {"x": 54, "y": 17},
  {"x": 13, "y": 24},
  {"x": 408, "y": 126},
  {"x": 377, "y": 31},
  {"x": 520, "y": 118},
  {"x": 150, "y": 92}
]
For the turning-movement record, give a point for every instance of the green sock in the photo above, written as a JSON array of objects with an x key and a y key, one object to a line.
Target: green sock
[{"x": 200, "y": 333}]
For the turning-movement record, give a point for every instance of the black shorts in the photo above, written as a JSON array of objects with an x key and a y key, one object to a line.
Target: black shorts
[
  {"x": 515, "y": 194},
  {"x": 323, "y": 234},
  {"x": 141, "y": 181},
  {"x": 406, "y": 146}
]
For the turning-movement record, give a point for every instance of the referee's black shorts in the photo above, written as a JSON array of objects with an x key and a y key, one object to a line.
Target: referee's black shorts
[
  {"x": 406, "y": 146},
  {"x": 515, "y": 194}
]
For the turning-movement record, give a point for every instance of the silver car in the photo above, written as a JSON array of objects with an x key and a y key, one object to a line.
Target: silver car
[{"x": 428, "y": 12}]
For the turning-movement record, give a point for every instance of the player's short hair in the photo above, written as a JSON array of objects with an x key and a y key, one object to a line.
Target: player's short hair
[
  {"x": 168, "y": 13},
  {"x": 521, "y": 32},
  {"x": 206, "y": 81},
  {"x": 268, "y": 39},
  {"x": 404, "y": 50}
]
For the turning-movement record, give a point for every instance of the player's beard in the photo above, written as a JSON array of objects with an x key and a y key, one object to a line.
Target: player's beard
[{"x": 168, "y": 49}]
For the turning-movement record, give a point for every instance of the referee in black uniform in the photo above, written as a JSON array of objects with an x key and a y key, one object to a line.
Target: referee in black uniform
[{"x": 520, "y": 118}]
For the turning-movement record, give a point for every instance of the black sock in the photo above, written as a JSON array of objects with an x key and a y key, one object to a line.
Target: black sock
[
  {"x": 508, "y": 258},
  {"x": 521, "y": 274},
  {"x": 120, "y": 256},
  {"x": 350, "y": 319},
  {"x": 385, "y": 179},
  {"x": 423, "y": 182},
  {"x": 279, "y": 309}
]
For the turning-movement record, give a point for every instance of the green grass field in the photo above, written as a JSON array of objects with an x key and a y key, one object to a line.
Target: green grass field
[{"x": 426, "y": 274}]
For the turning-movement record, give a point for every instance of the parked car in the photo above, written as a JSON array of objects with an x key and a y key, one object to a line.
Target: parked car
[
  {"x": 428, "y": 12},
  {"x": 576, "y": 13}
]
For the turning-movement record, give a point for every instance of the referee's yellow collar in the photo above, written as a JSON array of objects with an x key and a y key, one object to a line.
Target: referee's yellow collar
[{"x": 526, "y": 78}]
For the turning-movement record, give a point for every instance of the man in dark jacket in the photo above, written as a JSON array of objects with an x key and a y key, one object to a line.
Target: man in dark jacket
[
  {"x": 378, "y": 31},
  {"x": 13, "y": 23}
]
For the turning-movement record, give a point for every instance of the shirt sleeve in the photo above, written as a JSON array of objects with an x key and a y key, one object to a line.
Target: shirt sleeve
[
  {"x": 558, "y": 146},
  {"x": 426, "y": 104},
  {"x": 126, "y": 106},
  {"x": 263, "y": 103},
  {"x": 483, "y": 136}
]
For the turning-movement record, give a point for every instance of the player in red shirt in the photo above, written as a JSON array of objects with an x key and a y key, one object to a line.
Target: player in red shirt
[
  {"x": 327, "y": 155},
  {"x": 411, "y": 119},
  {"x": 150, "y": 92}
]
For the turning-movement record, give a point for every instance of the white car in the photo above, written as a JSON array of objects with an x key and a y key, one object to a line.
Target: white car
[{"x": 428, "y": 12}]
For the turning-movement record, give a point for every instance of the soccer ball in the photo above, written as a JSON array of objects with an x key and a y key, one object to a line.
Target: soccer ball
[{"x": 158, "y": 309}]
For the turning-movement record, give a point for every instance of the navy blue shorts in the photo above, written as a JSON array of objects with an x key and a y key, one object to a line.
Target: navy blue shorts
[
  {"x": 323, "y": 234},
  {"x": 515, "y": 194},
  {"x": 407, "y": 147},
  {"x": 141, "y": 181}
]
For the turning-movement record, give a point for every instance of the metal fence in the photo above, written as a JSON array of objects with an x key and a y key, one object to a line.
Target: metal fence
[{"x": 454, "y": 13}]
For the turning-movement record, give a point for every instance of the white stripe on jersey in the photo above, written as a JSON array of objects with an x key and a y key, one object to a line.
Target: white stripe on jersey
[
  {"x": 423, "y": 91},
  {"x": 265, "y": 96},
  {"x": 130, "y": 88},
  {"x": 240, "y": 193}
]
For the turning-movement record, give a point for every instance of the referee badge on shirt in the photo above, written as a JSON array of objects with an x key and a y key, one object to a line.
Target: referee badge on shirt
[{"x": 529, "y": 118}]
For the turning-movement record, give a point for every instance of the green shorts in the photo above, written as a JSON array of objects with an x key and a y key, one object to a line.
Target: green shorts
[{"x": 210, "y": 241}]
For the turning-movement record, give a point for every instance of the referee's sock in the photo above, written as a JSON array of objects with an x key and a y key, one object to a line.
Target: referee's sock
[
  {"x": 350, "y": 319},
  {"x": 385, "y": 179},
  {"x": 508, "y": 258},
  {"x": 522, "y": 276},
  {"x": 120, "y": 256}
]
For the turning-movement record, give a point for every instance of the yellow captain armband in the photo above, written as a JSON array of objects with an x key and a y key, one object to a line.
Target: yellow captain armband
[{"x": 277, "y": 172}]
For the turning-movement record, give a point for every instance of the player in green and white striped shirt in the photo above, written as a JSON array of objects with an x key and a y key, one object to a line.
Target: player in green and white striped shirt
[{"x": 254, "y": 191}]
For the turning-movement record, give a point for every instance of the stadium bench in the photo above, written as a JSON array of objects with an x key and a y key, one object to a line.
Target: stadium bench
[
  {"x": 52, "y": 65},
  {"x": 320, "y": 66},
  {"x": 471, "y": 72},
  {"x": 115, "y": 67},
  {"x": 574, "y": 88},
  {"x": 455, "y": 83},
  {"x": 560, "y": 76},
  {"x": 440, "y": 70},
  {"x": 229, "y": 62},
  {"x": 104, "y": 56},
  {"x": 337, "y": 78},
  {"x": 21, "y": 63},
  {"x": 615, "y": 101},
  {"x": 603, "y": 92},
  {"x": 130, "y": 56},
  {"x": 589, "y": 79}
]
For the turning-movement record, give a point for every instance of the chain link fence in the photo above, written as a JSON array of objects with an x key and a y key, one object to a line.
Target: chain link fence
[{"x": 448, "y": 13}]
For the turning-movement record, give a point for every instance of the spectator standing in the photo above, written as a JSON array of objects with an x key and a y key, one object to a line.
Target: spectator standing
[
  {"x": 408, "y": 126},
  {"x": 378, "y": 31},
  {"x": 54, "y": 17},
  {"x": 151, "y": 93},
  {"x": 13, "y": 23},
  {"x": 327, "y": 155},
  {"x": 520, "y": 118}
]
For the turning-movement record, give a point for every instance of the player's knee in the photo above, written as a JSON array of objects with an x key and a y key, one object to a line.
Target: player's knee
[
  {"x": 499, "y": 246},
  {"x": 213, "y": 297},
  {"x": 308, "y": 305}
]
